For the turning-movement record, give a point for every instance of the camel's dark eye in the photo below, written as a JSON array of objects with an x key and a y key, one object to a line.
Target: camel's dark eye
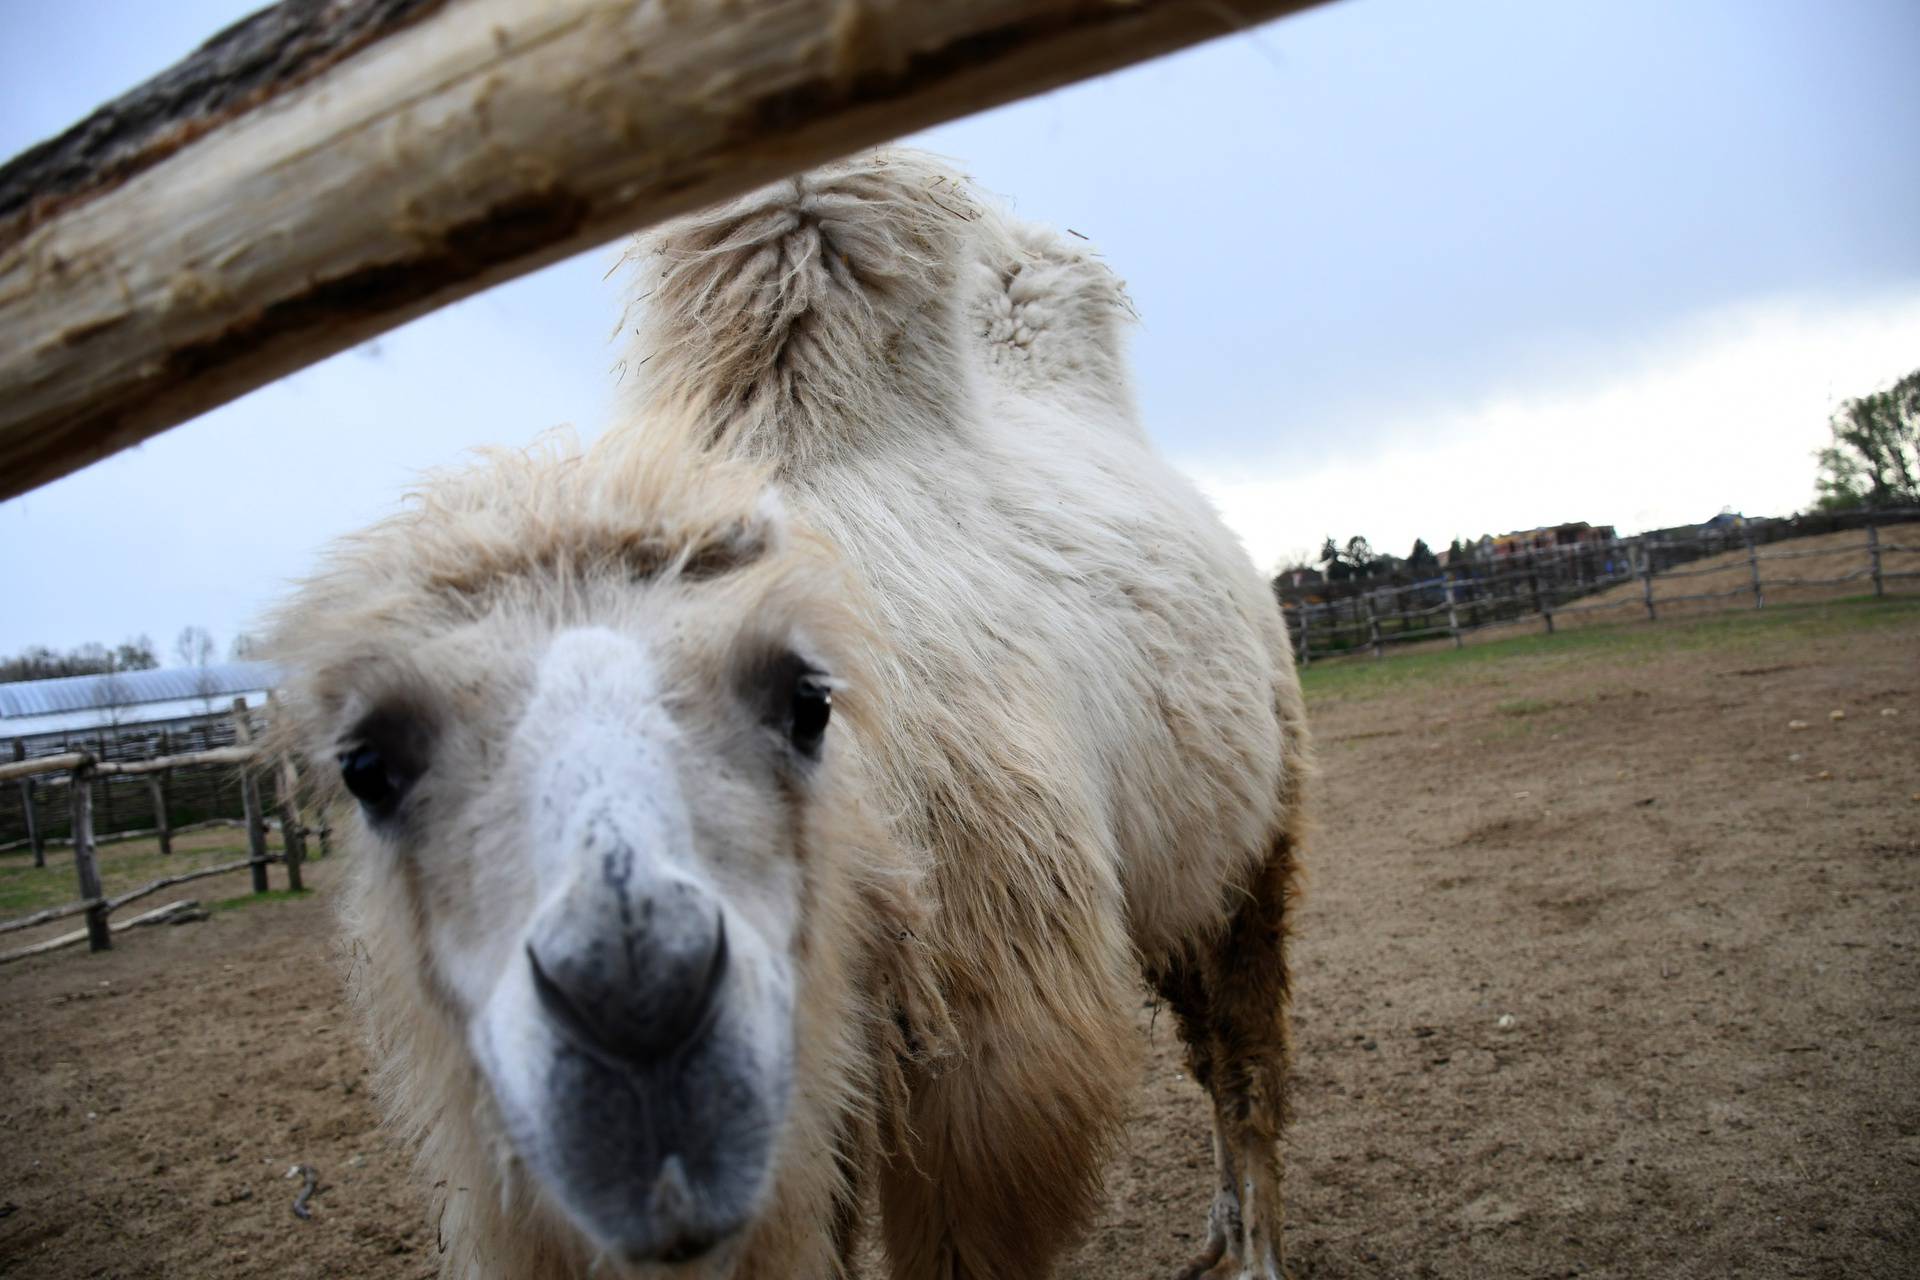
[
  {"x": 812, "y": 707},
  {"x": 372, "y": 782},
  {"x": 381, "y": 759}
]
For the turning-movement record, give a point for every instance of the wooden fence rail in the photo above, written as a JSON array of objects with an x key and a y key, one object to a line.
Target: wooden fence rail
[
  {"x": 78, "y": 767},
  {"x": 320, "y": 173},
  {"x": 1457, "y": 604}
]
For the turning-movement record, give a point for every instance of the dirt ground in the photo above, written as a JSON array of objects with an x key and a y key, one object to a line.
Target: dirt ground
[{"x": 1603, "y": 970}]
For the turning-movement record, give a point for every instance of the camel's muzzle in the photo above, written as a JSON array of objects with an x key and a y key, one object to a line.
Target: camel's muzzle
[
  {"x": 630, "y": 975},
  {"x": 639, "y": 1043},
  {"x": 644, "y": 1074}
]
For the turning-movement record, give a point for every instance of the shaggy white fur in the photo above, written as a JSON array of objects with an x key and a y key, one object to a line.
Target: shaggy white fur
[{"x": 1069, "y": 746}]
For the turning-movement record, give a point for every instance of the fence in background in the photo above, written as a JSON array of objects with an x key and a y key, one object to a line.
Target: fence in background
[
  {"x": 79, "y": 770},
  {"x": 41, "y": 814},
  {"x": 1549, "y": 586}
]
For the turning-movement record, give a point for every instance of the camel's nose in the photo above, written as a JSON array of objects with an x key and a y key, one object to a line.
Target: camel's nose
[{"x": 630, "y": 975}]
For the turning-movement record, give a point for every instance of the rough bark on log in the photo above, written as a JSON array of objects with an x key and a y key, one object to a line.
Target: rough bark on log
[
  {"x": 99, "y": 937},
  {"x": 245, "y": 66},
  {"x": 154, "y": 886},
  {"x": 159, "y": 915},
  {"x": 65, "y": 762},
  {"x": 334, "y": 195},
  {"x": 250, "y": 800},
  {"x": 48, "y": 916}
]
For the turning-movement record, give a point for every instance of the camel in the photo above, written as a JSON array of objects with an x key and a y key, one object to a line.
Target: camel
[{"x": 768, "y": 813}]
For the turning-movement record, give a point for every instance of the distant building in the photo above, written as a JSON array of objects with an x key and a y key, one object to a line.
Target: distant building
[
  {"x": 1299, "y": 579},
  {"x": 1556, "y": 537},
  {"x": 125, "y": 700}
]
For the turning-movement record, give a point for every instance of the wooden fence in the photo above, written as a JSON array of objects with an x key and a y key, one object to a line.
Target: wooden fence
[
  {"x": 1547, "y": 587},
  {"x": 319, "y": 173},
  {"x": 79, "y": 768},
  {"x": 39, "y": 814}
]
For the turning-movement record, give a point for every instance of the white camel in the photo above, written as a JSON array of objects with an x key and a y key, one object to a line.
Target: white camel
[{"x": 769, "y": 811}]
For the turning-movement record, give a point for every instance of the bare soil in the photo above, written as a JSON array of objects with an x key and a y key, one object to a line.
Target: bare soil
[{"x": 1603, "y": 970}]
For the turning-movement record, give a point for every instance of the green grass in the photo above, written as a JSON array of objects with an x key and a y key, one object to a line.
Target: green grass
[
  {"x": 1489, "y": 661},
  {"x": 25, "y": 888},
  {"x": 250, "y": 899}
]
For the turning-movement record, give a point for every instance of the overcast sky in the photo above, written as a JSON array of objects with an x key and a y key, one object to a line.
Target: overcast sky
[{"x": 1405, "y": 268}]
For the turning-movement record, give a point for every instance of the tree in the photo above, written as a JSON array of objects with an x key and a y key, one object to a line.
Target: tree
[
  {"x": 194, "y": 648},
  {"x": 1874, "y": 460},
  {"x": 246, "y": 647},
  {"x": 136, "y": 654},
  {"x": 1334, "y": 562},
  {"x": 91, "y": 659},
  {"x": 1421, "y": 561}
]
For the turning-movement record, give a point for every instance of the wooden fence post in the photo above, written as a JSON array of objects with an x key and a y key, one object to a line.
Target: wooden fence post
[
  {"x": 106, "y": 784},
  {"x": 1644, "y": 554},
  {"x": 1373, "y": 627},
  {"x": 157, "y": 783},
  {"x": 1453, "y": 613},
  {"x": 1753, "y": 569},
  {"x": 293, "y": 836},
  {"x": 99, "y": 937},
  {"x": 1533, "y": 585},
  {"x": 34, "y": 839},
  {"x": 1304, "y": 610},
  {"x": 250, "y": 799},
  {"x": 1873, "y": 557}
]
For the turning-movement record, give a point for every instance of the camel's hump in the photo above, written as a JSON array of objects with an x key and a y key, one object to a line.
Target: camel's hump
[{"x": 869, "y": 284}]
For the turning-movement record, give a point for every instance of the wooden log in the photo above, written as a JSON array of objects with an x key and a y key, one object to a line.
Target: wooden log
[
  {"x": 1646, "y": 580},
  {"x": 50, "y": 914},
  {"x": 292, "y": 836},
  {"x": 159, "y": 915},
  {"x": 154, "y": 886},
  {"x": 64, "y": 763},
  {"x": 1453, "y": 613},
  {"x": 323, "y": 172},
  {"x": 250, "y": 800},
  {"x": 292, "y": 841},
  {"x": 34, "y": 842},
  {"x": 238, "y": 755},
  {"x": 1373, "y": 627},
  {"x": 1540, "y": 605},
  {"x": 1753, "y": 569},
  {"x": 133, "y": 895},
  {"x": 103, "y": 755},
  {"x": 157, "y": 782},
  {"x": 81, "y": 795},
  {"x": 1873, "y": 563}
]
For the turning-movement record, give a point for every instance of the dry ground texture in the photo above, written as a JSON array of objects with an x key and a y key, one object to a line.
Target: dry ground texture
[{"x": 1604, "y": 969}]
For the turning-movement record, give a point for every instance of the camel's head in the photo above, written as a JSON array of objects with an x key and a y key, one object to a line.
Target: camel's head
[{"x": 585, "y": 712}]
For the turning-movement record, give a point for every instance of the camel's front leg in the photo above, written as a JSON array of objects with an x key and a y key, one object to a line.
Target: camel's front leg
[
  {"x": 1223, "y": 1215},
  {"x": 1244, "y": 1220},
  {"x": 1230, "y": 1002}
]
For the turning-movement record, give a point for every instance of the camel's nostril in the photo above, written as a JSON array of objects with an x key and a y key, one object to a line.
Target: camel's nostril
[{"x": 635, "y": 1002}]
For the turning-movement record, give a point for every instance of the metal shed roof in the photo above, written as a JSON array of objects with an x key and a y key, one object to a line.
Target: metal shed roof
[{"x": 131, "y": 688}]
